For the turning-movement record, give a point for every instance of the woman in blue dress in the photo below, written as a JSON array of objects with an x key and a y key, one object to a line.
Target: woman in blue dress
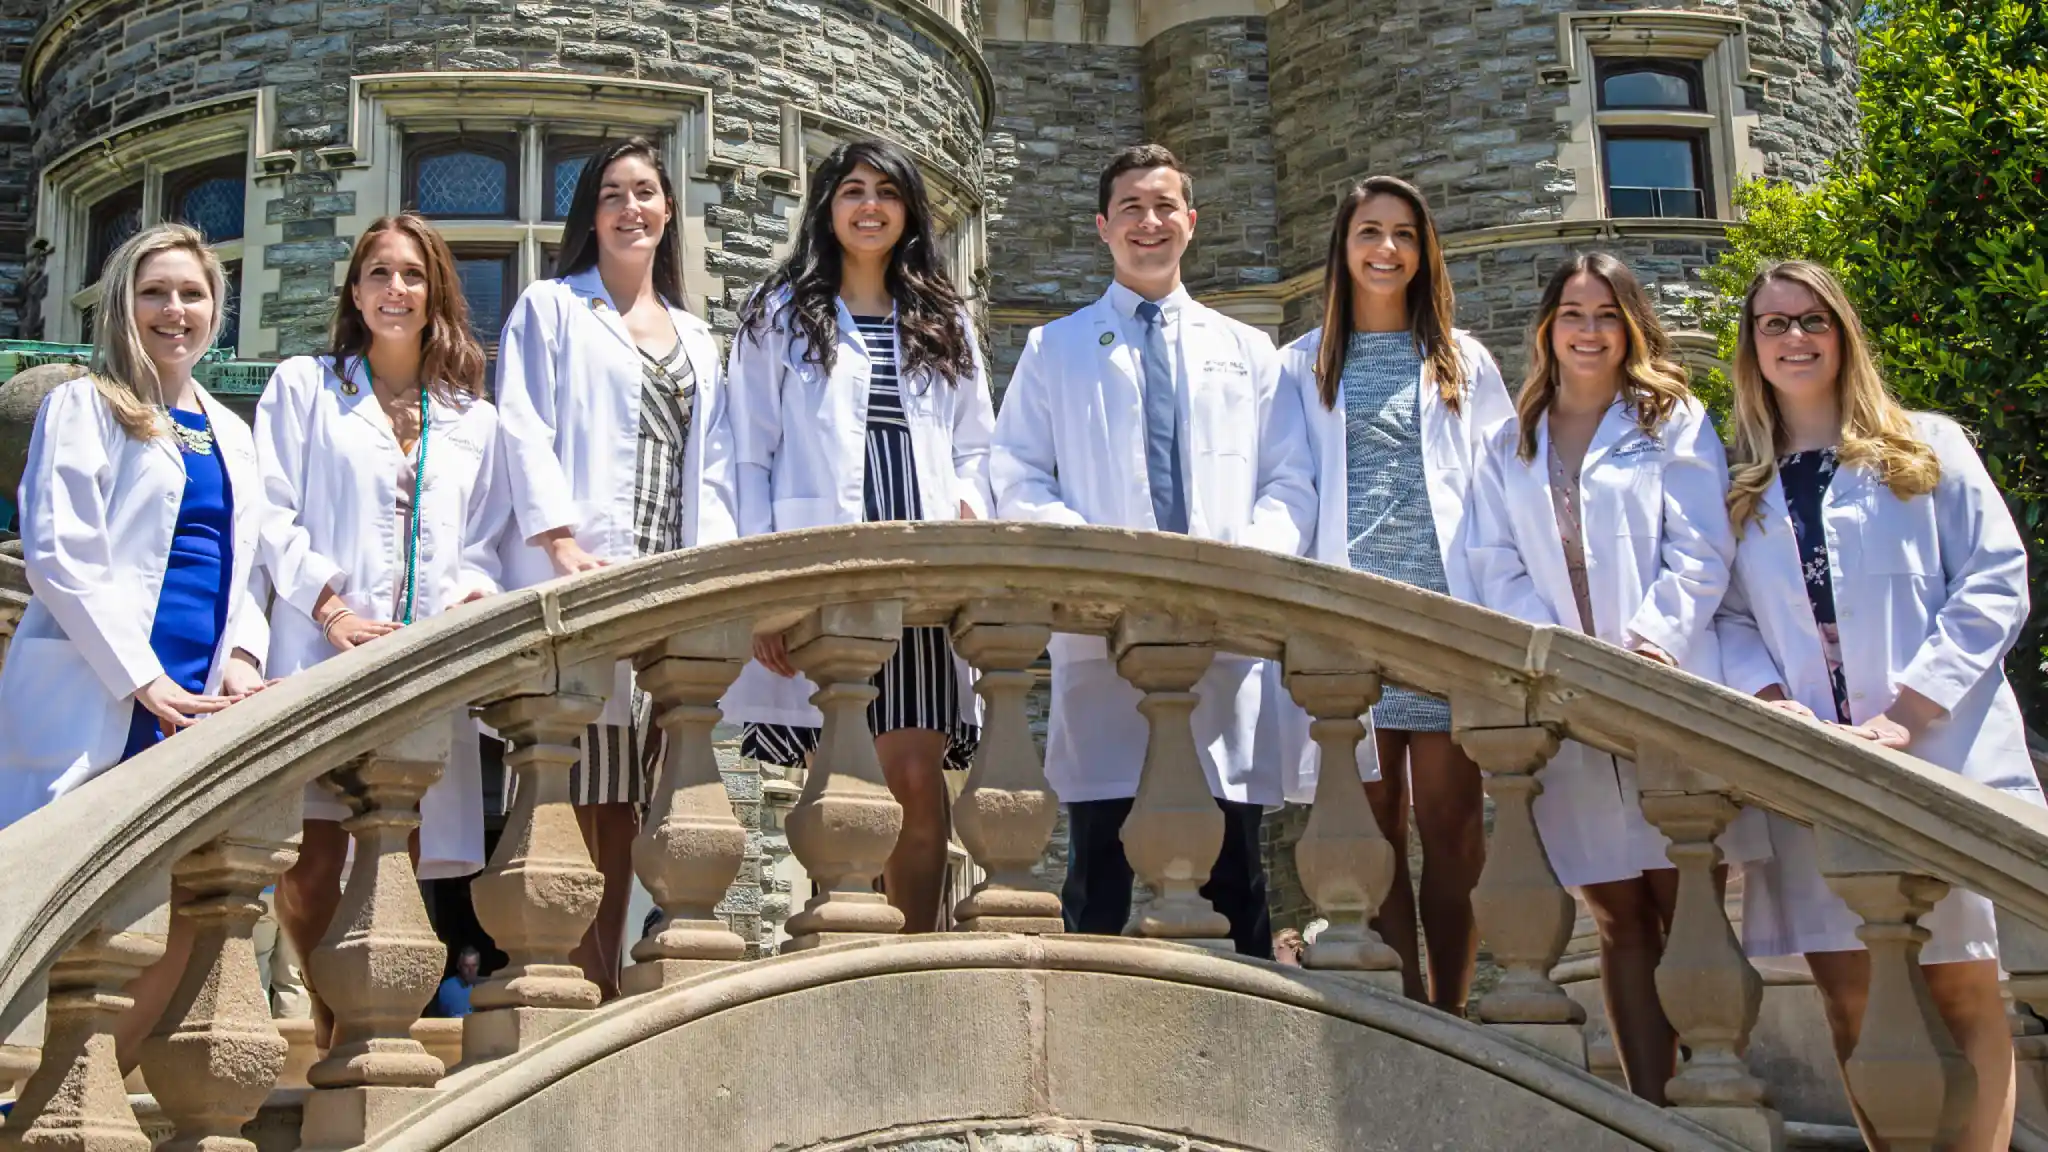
[{"x": 140, "y": 506}]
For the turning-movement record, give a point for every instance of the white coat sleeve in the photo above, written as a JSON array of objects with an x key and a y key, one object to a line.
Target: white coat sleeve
[
  {"x": 1023, "y": 464},
  {"x": 67, "y": 546},
  {"x": 542, "y": 498},
  {"x": 718, "y": 487},
  {"x": 252, "y": 621},
  {"x": 974, "y": 422},
  {"x": 298, "y": 572},
  {"x": 1491, "y": 407},
  {"x": 1284, "y": 513},
  {"x": 1746, "y": 662},
  {"x": 1697, "y": 547},
  {"x": 1984, "y": 562},
  {"x": 753, "y": 394},
  {"x": 485, "y": 521},
  {"x": 1499, "y": 576}
]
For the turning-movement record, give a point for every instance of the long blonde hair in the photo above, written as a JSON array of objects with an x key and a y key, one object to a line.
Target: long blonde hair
[
  {"x": 1655, "y": 385},
  {"x": 121, "y": 370},
  {"x": 1877, "y": 431}
]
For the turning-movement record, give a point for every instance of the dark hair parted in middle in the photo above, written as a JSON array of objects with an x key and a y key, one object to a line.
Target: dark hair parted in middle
[
  {"x": 1431, "y": 305},
  {"x": 928, "y": 306},
  {"x": 579, "y": 230},
  {"x": 1136, "y": 158},
  {"x": 451, "y": 359}
]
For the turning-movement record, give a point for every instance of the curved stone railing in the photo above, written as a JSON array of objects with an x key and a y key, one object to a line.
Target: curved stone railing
[{"x": 217, "y": 809}]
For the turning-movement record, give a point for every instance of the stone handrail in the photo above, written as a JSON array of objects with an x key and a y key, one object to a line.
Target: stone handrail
[{"x": 218, "y": 804}]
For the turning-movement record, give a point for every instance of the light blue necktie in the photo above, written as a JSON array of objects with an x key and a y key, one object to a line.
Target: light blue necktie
[{"x": 1162, "y": 431}]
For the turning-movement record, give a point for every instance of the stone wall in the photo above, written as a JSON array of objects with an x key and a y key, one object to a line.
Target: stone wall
[
  {"x": 18, "y": 22},
  {"x": 883, "y": 65},
  {"x": 1205, "y": 98},
  {"x": 1049, "y": 1135},
  {"x": 1061, "y": 110}
]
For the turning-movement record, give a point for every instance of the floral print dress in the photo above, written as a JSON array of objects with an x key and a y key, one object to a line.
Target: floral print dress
[{"x": 1805, "y": 477}]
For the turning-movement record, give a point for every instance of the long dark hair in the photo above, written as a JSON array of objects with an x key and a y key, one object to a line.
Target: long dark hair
[
  {"x": 927, "y": 304},
  {"x": 451, "y": 360},
  {"x": 579, "y": 231},
  {"x": 1431, "y": 306},
  {"x": 1654, "y": 384}
]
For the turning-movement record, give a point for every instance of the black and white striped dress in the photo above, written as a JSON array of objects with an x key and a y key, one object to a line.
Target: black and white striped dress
[
  {"x": 620, "y": 765},
  {"x": 919, "y": 687}
]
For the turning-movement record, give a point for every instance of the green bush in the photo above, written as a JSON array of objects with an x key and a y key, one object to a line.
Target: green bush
[{"x": 1935, "y": 225}]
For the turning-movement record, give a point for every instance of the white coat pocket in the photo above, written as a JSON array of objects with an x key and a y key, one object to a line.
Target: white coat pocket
[{"x": 72, "y": 733}]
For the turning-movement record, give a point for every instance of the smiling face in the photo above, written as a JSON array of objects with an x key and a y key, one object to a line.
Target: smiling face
[
  {"x": 868, "y": 213},
  {"x": 1588, "y": 337},
  {"x": 391, "y": 289},
  {"x": 1147, "y": 228},
  {"x": 1796, "y": 362},
  {"x": 174, "y": 310},
  {"x": 632, "y": 211},
  {"x": 1383, "y": 249}
]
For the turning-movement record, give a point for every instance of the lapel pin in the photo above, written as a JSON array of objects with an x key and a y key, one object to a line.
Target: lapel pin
[{"x": 1108, "y": 338}]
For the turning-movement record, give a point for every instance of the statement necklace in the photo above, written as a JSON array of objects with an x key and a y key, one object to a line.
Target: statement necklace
[{"x": 197, "y": 441}]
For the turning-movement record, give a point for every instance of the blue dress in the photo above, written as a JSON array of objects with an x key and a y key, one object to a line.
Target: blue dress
[
  {"x": 1392, "y": 531},
  {"x": 192, "y": 609}
]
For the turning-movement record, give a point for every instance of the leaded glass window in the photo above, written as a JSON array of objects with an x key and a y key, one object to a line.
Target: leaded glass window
[
  {"x": 208, "y": 197},
  {"x": 464, "y": 179}
]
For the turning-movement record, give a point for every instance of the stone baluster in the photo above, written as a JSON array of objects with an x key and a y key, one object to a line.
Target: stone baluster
[
  {"x": 1346, "y": 862},
  {"x": 1524, "y": 915},
  {"x": 692, "y": 846},
  {"x": 2023, "y": 953},
  {"x": 1710, "y": 992},
  {"x": 76, "y": 1101},
  {"x": 540, "y": 890},
  {"x": 380, "y": 960},
  {"x": 1906, "y": 1074},
  {"x": 1175, "y": 829},
  {"x": 1006, "y": 813},
  {"x": 215, "y": 1055},
  {"x": 846, "y": 822}
]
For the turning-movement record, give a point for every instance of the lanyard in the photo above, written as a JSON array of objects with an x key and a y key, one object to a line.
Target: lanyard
[{"x": 419, "y": 481}]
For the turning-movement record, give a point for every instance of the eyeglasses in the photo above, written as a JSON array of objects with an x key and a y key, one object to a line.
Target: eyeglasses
[{"x": 1777, "y": 323}]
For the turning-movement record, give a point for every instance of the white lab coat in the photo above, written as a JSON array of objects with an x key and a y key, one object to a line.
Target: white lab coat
[
  {"x": 1930, "y": 593},
  {"x": 1654, "y": 514},
  {"x": 330, "y": 468},
  {"x": 569, "y": 380},
  {"x": 1452, "y": 444},
  {"x": 800, "y": 452},
  {"x": 1070, "y": 449},
  {"x": 99, "y": 509}
]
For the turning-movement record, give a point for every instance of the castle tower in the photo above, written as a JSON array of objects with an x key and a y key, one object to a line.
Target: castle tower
[{"x": 1540, "y": 129}]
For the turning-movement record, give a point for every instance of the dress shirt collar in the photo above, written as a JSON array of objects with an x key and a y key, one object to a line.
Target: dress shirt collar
[{"x": 1126, "y": 302}]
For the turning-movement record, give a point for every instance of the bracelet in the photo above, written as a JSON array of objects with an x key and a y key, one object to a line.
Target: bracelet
[{"x": 327, "y": 629}]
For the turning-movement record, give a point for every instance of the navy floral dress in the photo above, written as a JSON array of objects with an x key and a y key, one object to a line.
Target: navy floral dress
[{"x": 1805, "y": 477}]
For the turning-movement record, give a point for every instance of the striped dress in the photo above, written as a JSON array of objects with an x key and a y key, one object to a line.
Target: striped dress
[
  {"x": 620, "y": 765},
  {"x": 918, "y": 685}
]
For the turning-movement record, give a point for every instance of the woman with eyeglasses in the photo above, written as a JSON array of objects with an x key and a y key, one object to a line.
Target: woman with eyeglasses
[
  {"x": 1879, "y": 582},
  {"x": 381, "y": 462},
  {"x": 1602, "y": 509}
]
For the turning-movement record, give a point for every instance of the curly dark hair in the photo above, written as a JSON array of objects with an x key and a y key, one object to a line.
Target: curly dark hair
[{"x": 928, "y": 306}]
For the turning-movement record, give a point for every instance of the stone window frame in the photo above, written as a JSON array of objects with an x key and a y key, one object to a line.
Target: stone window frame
[
  {"x": 149, "y": 153},
  {"x": 542, "y": 110},
  {"x": 808, "y": 136},
  {"x": 1717, "y": 44}
]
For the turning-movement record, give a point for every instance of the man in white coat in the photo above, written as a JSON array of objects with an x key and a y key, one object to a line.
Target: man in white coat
[{"x": 1147, "y": 410}]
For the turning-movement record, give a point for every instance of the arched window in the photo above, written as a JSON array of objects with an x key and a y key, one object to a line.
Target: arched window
[
  {"x": 463, "y": 178},
  {"x": 1651, "y": 84},
  {"x": 209, "y": 197}
]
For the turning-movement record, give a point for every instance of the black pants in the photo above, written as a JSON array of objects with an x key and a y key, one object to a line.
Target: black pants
[{"x": 1096, "y": 898}]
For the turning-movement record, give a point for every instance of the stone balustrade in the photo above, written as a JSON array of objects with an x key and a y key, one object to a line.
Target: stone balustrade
[{"x": 205, "y": 810}]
